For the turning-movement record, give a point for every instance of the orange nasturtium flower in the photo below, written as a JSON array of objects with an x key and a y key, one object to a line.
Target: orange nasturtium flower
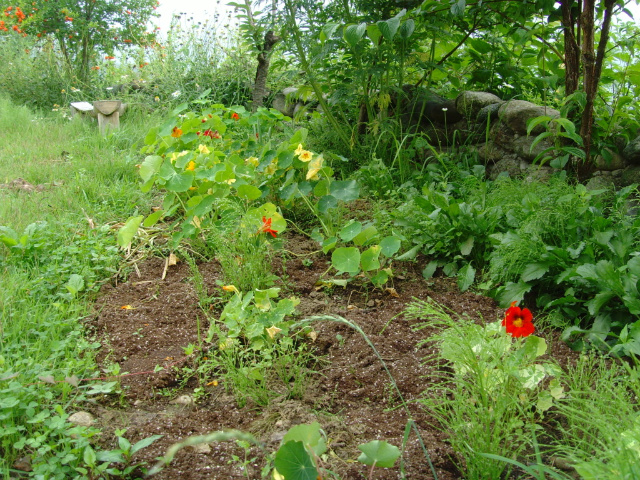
[
  {"x": 235, "y": 116},
  {"x": 266, "y": 227},
  {"x": 230, "y": 288},
  {"x": 191, "y": 166},
  {"x": 518, "y": 321},
  {"x": 176, "y": 132}
]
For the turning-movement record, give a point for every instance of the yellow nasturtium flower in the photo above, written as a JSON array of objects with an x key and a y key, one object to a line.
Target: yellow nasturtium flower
[
  {"x": 203, "y": 149},
  {"x": 191, "y": 166},
  {"x": 230, "y": 181},
  {"x": 314, "y": 167},
  {"x": 252, "y": 161},
  {"x": 230, "y": 288},
  {"x": 299, "y": 150},
  {"x": 272, "y": 331},
  {"x": 175, "y": 156},
  {"x": 305, "y": 156}
]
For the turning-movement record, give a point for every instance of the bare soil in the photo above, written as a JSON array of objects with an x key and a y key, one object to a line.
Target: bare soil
[{"x": 350, "y": 396}]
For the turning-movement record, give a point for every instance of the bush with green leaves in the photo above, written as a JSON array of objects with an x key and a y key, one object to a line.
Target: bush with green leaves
[{"x": 497, "y": 386}]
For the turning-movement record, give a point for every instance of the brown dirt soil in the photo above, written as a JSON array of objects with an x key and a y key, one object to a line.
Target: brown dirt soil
[{"x": 350, "y": 397}]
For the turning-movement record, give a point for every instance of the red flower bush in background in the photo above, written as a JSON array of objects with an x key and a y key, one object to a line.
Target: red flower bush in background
[{"x": 518, "y": 321}]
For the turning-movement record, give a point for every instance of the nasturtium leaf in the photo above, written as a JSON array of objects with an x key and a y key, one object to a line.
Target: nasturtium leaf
[
  {"x": 180, "y": 182},
  {"x": 128, "y": 230},
  {"x": 293, "y": 462},
  {"x": 350, "y": 230},
  {"x": 379, "y": 453},
  {"x": 346, "y": 259},
  {"x": 369, "y": 259},
  {"x": 152, "y": 219},
  {"x": 326, "y": 203},
  {"x": 390, "y": 245},
  {"x": 299, "y": 137},
  {"x": 365, "y": 236},
  {"x": 329, "y": 244},
  {"x": 380, "y": 278},
  {"x": 321, "y": 188},
  {"x": 249, "y": 192},
  {"x": 310, "y": 435},
  {"x": 150, "y": 166},
  {"x": 345, "y": 190}
]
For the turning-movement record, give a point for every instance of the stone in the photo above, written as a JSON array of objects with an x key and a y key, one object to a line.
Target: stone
[
  {"x": 540, "y": 174},
  {"x": 510, "y": 164},
  {"x": 600, "y": 182},
  {"x": 83, "y": 419},
  {"x": 630, "y": 175},
  {"x": 615, "y": 162},
  {"x": 522, "y": 147},
  {"x": 470, "y": 104},
  {"x": 202, "y": 448},
  {"x": 489, "y": 152},
  {"x": 631, "y": 152},
  {"x": 517, "y": 113},
  {"x": 183, "y": 400}
]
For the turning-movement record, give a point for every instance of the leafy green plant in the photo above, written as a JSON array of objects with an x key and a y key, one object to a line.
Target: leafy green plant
[
  {"x": 490, "y": 395},
  {"x": 369, "y": 256}
]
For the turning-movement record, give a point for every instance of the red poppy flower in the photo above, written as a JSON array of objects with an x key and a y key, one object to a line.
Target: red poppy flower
[
  {"x": 518, "y": 321},
  {"x": 266, "y": 227},
  {"x": 235, "y": 116}
]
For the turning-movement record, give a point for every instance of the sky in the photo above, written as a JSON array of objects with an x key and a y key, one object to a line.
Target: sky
[{"x": 202, "y": 9}]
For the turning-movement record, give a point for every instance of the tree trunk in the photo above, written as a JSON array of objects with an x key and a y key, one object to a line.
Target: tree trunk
[
  {"x": 264, "y": 57},
  {"x": 571, "y": 49},
  {"x": 592, "y": 73}
]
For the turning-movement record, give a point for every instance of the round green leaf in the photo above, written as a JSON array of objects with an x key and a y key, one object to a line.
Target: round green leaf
[
  {"x": 349, "y": 231},
  {"x": 294, "y": 463},
  {"x": 249, "y": 192},
  {"x": 345, "y": 190},
  {"x": 326, "y": 203},
  {"x": 379, "y": 453},
  {"x": 390, "y": 245},
  {"x": 369, "y": 258},
  {"x": 346, "y": 259}
]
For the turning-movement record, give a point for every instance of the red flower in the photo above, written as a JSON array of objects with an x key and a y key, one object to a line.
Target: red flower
[
  {"x": 212, "y": 134},
  {"x": 235, "y": 116},
  {"x": 266, "y": 227},
  {"x": 518, "y": 321},
  {"x": 176, "y": 132}
]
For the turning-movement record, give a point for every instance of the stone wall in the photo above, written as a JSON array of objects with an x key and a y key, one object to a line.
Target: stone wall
[{"x": 494, "y": 128}]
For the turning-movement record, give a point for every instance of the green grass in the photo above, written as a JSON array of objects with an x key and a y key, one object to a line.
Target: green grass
[{"x": 68, "y": 249}]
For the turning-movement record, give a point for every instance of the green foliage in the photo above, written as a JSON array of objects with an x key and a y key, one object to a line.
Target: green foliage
[
  {"x": 496, "y": 382},
  {"x": 598, "y": 423},
  {"x": 370, "y": 254}
]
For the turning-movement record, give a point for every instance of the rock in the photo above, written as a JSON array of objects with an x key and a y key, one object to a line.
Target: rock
[
  {"x": 470, "y": 104},
  {"x": 510, "y": 164},
  {"x": 183, "y": 400},
  {"x": 489, "y": 152},
  {"x": 540, "y": 174},
  {"x": 516, "y": 113},
  {"x": 521, "y": 146},
  {"x": 615, "y": 162},
  {"x": 422, "y": 109},
  {"x": 23, "y": 464},
  {"x": 83, "y": 419},
  {"x": 629, "y": 176},
  {"x": 202, "y": 448},
  {"x": 600, "y": 182},
  {"x": 631, "y": 152}
]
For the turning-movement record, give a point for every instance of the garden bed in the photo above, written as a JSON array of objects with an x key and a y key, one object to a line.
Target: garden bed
[{"x": 350, "y": 396}]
